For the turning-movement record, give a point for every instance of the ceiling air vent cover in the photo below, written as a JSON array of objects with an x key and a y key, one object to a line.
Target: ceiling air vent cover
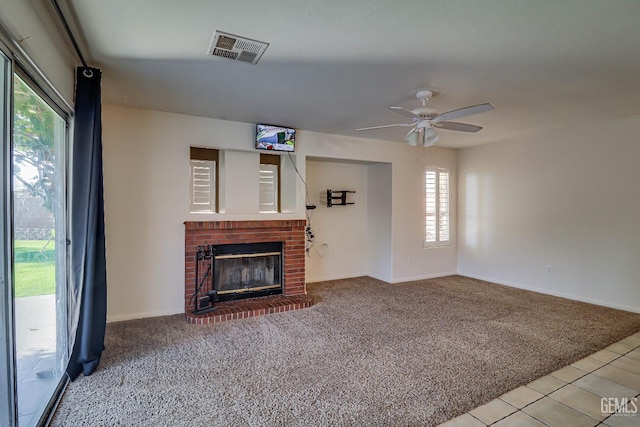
[{"x": 236, "y": 48}]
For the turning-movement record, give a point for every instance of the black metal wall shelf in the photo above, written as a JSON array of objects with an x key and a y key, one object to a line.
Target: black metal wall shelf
[{"x": 338, "y": 198}]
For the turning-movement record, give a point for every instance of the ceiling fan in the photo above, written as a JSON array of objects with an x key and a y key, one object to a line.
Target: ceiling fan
[{"x": 424, "y": 119}]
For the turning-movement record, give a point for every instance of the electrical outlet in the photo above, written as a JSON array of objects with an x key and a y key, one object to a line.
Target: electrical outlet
[
  {"x": 325, "y": 245},
  {"x": 409, "y": 260},
  {"x": 549, "y": 270}
]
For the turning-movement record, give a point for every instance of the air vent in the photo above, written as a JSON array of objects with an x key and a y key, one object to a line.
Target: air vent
[{"x": 236, "y": 48}]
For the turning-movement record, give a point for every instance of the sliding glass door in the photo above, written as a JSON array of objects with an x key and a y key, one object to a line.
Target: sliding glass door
[
  {"x": 39, "y": 250},
  {"x": 33, "y": 253}
]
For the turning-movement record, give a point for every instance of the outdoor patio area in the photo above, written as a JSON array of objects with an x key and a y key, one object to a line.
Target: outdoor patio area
[{"x": 36, "y": 353}]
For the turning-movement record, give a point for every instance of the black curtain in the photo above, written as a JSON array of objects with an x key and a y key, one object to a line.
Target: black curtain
[{"x": 88, "y": 290}]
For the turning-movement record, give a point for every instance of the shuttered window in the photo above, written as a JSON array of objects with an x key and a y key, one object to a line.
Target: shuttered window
[
  {"x": 269, "y": 194},
  {"x": 437, "y": 205},
  {"x": 203, "y": 191}
]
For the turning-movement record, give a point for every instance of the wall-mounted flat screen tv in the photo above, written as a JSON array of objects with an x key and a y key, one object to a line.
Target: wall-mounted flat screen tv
[{"x": 275, "y": 138}]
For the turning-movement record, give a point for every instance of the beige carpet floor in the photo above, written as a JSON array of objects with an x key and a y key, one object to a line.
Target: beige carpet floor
[{"x": 367, "y": 353}]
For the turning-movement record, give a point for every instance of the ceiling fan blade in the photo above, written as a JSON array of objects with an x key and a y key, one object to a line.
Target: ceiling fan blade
[
  {"x": 462, "y": 127},
  {"x": 386, "y": 126},
  {"x": 404, "y": 112},
  {"x": 462, "y": 112}
]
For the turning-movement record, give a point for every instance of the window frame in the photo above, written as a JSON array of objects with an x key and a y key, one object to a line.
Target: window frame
[
  {"x": 440, "y": 211},
  {"x": 202, "y": 154},
  {"x": 8, "y": 375},
  {"x": 272, "y": 159}
]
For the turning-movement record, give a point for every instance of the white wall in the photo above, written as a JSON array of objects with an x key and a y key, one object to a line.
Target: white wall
[
  {"x": 146, "y": 200},
  {"x": 411, "y": 261},
  {"x": 379, "y": 220},
  {"x": 240, "y": 178},
  {"x": 568, "y": 200},
  {"x": 343, "y": 229}
]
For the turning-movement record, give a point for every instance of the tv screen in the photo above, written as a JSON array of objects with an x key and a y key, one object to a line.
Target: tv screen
[{"x": 276, "y": 138}]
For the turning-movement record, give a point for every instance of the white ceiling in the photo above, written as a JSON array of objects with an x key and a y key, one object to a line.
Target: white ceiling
[{"x": 333, "y": 66}]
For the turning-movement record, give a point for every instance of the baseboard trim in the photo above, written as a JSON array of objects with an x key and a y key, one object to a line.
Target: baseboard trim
[
  {"x": 142, "y": 315},
  {"x": 382, "y": 279},
  {"x": 425, "y": 277},
  {"x": 554, "y": 293},
  {"x": 335, "y": 277}
]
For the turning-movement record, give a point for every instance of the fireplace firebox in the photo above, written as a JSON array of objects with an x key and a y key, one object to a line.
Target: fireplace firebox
[{"x": 236, "y": 271}]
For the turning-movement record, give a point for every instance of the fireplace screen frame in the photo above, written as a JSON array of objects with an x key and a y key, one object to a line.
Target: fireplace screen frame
[{"x": 208, "y": 260}]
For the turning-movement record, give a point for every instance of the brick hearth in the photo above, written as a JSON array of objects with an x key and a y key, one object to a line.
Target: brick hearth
[{"x": 289, "y": 232}]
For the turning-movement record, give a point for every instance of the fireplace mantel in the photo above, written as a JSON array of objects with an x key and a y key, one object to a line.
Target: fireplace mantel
[{"x": 289, "y": 232}]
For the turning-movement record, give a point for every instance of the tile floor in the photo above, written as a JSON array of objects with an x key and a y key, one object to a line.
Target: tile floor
[{"x": 602, "y": 389}]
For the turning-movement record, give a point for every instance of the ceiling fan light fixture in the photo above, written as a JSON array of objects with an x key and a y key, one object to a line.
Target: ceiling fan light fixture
[
  {"x": 430, "y": 137},
  {"x": 412, "y": 138}
]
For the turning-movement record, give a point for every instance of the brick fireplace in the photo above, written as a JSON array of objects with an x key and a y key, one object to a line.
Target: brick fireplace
[{"x": 289, "y": 232}]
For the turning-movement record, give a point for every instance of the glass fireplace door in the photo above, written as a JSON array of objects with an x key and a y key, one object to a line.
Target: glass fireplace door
[{"x": 247, "y": 273}]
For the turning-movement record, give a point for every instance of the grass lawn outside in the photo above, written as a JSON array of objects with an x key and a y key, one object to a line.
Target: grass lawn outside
[{"x": 34, "y": 268}]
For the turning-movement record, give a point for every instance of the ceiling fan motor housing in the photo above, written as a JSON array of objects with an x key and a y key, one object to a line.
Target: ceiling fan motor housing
[{"x": 425, "y": 112}]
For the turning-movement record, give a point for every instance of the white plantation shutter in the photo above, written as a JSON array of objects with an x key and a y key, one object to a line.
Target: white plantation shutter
[
  {"x": 268, "y": 197},
  {"x": 269, "y": 185},
  {"x": 431, "y": 208},
  {"x": 437, "y": 204},
  {"x": 203, "y": 173},
  {"x": 443, "y": 206}
]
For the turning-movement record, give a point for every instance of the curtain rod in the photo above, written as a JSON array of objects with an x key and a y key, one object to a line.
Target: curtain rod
[{"x": 69, "y": 33}]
